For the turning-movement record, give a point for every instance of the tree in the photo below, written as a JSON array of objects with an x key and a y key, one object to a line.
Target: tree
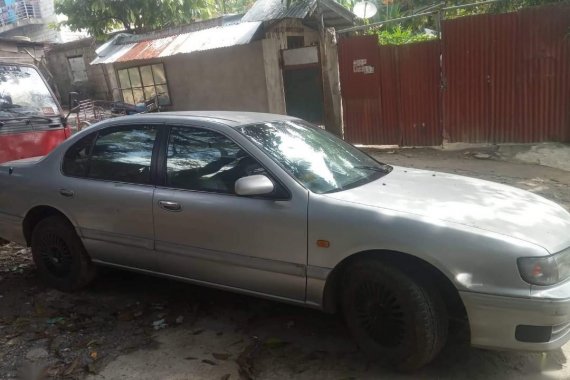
[
  {"x": 388, "y": 9},
  {"x": 99, "y": 17},
  {"x": 498, "y": 7},
  {"x": 224, "y": 7},
  {"x": 414, "y": 29}
]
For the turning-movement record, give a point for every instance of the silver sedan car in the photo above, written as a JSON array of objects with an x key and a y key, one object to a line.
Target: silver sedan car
[{"x": 272, "y": 206}]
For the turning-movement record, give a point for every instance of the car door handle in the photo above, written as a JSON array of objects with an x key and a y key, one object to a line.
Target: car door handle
[
  {"x": 170, "y": 206},
  {"x": 66, "y": 193}
]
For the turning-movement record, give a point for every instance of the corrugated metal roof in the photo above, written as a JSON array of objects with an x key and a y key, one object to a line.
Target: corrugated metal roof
[
  {"x": 267, "y": 10},
  {"x": 206, "y": 39},
  {"x": 182, "y": 29},
  {"x": 334, "y": 14}
]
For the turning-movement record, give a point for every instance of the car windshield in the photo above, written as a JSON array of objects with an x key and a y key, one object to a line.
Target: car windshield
[
  {"x": 24, "y": 93},
  {"x": 320, "y": 161}
]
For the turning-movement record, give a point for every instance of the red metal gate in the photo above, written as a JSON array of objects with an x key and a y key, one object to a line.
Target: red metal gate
[
  {"x": 390, "y": 93},
  {"x": 361, "y": 92},
  {"x": 419, "y": 93},
  {"x": 505, "y": 78}
]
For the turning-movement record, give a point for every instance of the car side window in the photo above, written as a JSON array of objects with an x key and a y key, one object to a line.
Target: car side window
[
  {"x": 204, "y": 160},
  {"x": 123, "y": 154},
  {"x": 76, "y": 159}
]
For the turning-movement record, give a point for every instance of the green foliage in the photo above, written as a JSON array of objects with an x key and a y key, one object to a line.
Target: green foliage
[
  {"x": 412, "y": 30},
  {"x": 348, "y": 4},
  {"x": 388, "y": 9},
  {"x": 399, "y": 36},
  {"x": 100, "y": 17},
  {"x": 54, "y": 26},
  {"x": 513, "y": 5},
  {"x": 224, "y": 7},
  {"x": 498, "y": 7}
]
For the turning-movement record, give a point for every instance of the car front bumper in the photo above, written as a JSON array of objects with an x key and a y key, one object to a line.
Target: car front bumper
[{"x": 509, "y": 323}]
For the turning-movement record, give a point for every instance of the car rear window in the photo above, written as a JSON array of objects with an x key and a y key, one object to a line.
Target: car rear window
[
  {"x": 121, "y": 154},
  {"x": 76, "y": 159}
]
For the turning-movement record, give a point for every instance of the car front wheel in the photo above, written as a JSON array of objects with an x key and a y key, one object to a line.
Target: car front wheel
[
  {"x": 59, "y": 255},
  {"x": 392, "y": 317}
]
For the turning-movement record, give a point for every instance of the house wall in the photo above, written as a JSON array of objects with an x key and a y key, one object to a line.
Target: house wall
[
  {"x": 231, "y": 78},
  {"x": 331, "y": 83},
  {"x": 273, "y": 76},
  {"x": 14, "y": 51},
  {"x": 245, "y": 77},
  {"x": 332, "y": 104},
  {"x": 95, "y": 87},
  {"x": 280, "y": 30}
]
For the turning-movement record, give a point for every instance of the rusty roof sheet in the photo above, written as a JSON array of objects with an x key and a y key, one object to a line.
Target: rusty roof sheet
[{"x": 206, "y": 39}]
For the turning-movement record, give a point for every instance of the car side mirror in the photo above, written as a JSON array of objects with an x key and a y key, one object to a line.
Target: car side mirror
[{"x": 254, "y": 185}]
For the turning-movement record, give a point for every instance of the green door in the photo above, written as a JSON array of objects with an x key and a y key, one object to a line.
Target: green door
[{"x": 304, "y": 93}]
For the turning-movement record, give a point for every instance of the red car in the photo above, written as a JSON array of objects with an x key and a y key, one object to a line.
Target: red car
[{"x": 31, "y": 119}]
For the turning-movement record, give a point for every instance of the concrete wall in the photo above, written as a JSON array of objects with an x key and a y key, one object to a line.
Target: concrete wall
[
  {"x": 231, "y": 78},
  {"x": 273, "y": 76},
  {"x": 331, "y": 83},
  {"x": 36, "y": 30},
  {"x": 226, "y": 79},
  {"x": 280, "y": 30},
  {"x": 96, "y": 86},
  {"x": 113, "y": 81},
  {"x": 14, "y": 51}
]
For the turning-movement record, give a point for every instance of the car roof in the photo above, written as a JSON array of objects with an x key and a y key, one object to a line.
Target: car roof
[{"x": 230, "y": 118}]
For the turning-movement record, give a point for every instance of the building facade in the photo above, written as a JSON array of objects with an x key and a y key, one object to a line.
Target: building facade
[
  {"x": 28, "y": 18},
  {"x": 273, "y": 59}
]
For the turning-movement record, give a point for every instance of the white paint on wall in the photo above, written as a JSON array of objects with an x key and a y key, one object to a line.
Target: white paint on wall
[{"x": 301, "y": 56}]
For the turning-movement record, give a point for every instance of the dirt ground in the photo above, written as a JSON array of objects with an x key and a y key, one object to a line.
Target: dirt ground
[{"x": 130, "y": 326}]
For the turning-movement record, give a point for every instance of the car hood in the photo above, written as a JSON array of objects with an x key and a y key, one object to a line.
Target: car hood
[{"x": 468, "y": 201}]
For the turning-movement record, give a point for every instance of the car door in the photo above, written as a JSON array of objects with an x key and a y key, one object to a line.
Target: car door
[
  {"x": 205, "y": 232},
  {"x": 107, "y": 190}
]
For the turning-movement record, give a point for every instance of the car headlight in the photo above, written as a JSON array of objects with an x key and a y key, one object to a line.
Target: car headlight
[{"x": 548, "y": 270}]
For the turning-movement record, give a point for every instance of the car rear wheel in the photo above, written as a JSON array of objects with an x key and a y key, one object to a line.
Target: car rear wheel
[
  {"x": 59, "y": 255},
  {"x": 392, "y": 317}
]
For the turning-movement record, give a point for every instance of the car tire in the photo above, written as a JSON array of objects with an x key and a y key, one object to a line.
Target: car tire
[
  {"x": 61, "y": 260},
  {"x": 392, "y": 317}
]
